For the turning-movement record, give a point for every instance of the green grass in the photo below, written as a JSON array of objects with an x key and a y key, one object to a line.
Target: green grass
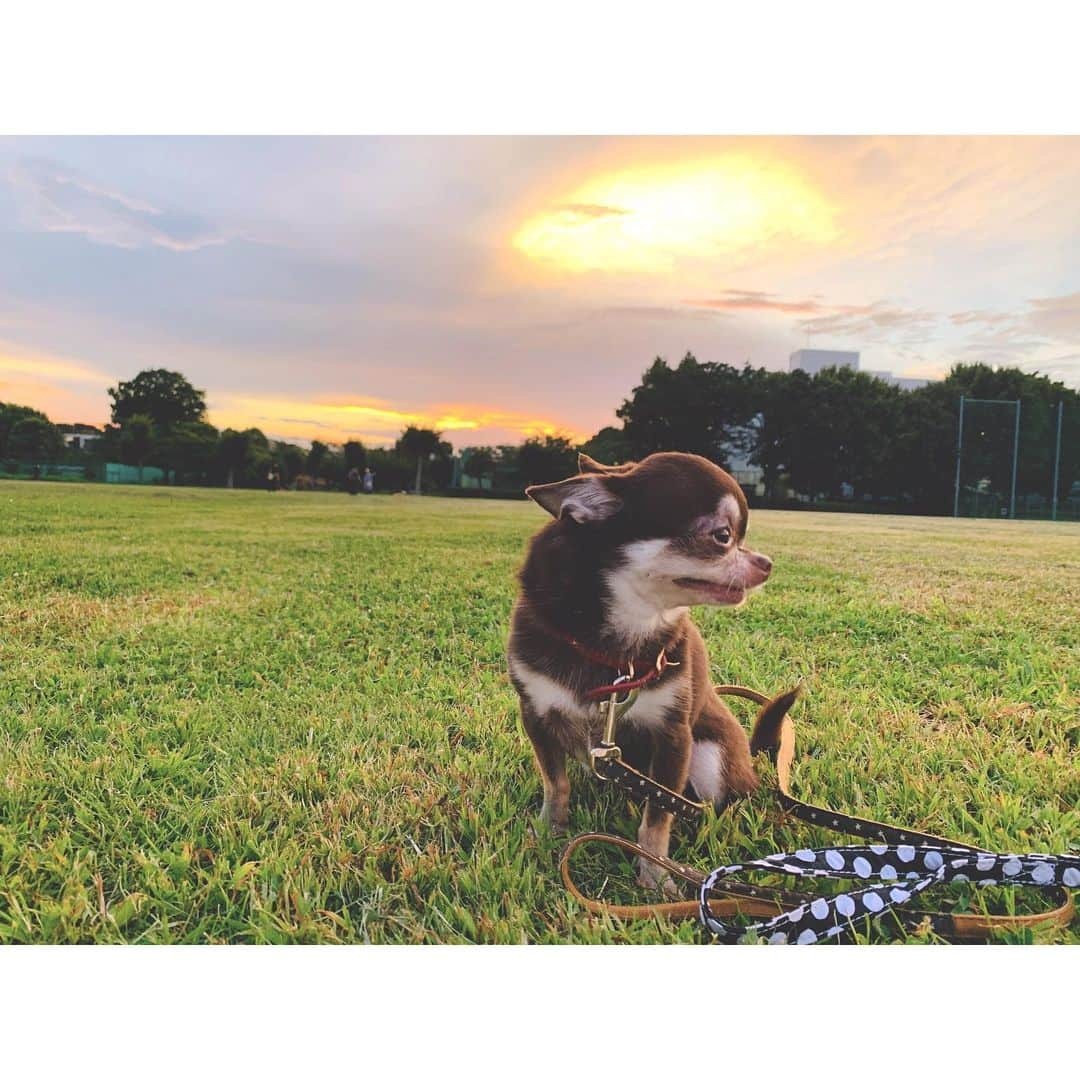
[{"x": 236, "y": 717}]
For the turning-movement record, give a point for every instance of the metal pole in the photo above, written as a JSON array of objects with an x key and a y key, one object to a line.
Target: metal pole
[
  {"x": 959, "y": 448},
  {"x": 1057, "y": 464},
  {"x": 1016, "y": 454}
]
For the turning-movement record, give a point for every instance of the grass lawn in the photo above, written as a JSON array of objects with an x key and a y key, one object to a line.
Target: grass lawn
[{"x": 241, "y": 717}]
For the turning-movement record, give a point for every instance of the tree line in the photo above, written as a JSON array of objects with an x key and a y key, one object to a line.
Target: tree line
[
  {"x": 158, "y": 419},
  {"x": 837, "y": 434},
  {"x": 842, "y": 433}
]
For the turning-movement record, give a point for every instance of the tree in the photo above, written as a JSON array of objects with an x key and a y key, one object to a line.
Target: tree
[
  {"x": 137, "y": 441},
  {"x": 544, "y": 461},
  {"x": 842, "y": 426},
  {"x": 845, "y": 435},
  {"x": 166, "y": 397},
  {"x": 507, "y": 474},
  {"x": 355, "y": 455},
  {"x": 923, "y": 449},
  {"x": 10, "y": 415},
  {"x": 332, "y": 467},
  {"x": 34, "y": 439},
  {"x": 989, "y": 430},
  {"x": 609, "y": 446},
  {"x": 420, "y": 444},
  {"x": 781, "y": 399},
  {"x": 243, "y": 455},
  {"x": 697, "y": 408},
  {"x": 232, "y": 453},
  {"x": 190, "y": 448},
  {"x": 316, "y": 456},
  {"x": 107, "y": 448},
  {"x": 259, "y": 458},
  {"x": 392, "y": 470},
  {"x": 479, "y": 462},
  {"x": 291, "y": 458}
]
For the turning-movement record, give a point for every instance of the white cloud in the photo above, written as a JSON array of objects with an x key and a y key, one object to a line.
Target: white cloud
[
  {"x": 1056, "y": 316},
  {"x": 57, "y": 199}
]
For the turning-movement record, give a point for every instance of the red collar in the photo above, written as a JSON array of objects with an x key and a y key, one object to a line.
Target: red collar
[
  {"x": 598, "y": 693},
  {"x": 652, "y": 669}
]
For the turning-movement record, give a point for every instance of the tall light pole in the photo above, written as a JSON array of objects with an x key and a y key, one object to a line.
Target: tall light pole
[
  {"x": 1057, "y": 464},
  {"x": 1016, "y": 455},
  {"x": 959, "y": 448}
]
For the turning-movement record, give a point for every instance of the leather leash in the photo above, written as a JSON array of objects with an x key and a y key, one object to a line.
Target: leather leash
[
  {"x": 806, "y": 917},
  {"x": 607, "y": 761}
]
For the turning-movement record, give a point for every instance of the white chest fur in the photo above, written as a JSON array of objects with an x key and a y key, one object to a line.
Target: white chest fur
[
  {"x": 547, "y": 695},
  {"x": 653, "y": 704}
]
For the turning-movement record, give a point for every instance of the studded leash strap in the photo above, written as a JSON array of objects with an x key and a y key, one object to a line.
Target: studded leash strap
[
  {"x": 895, "y": 869},
  {"x": 607, "y": 760}
]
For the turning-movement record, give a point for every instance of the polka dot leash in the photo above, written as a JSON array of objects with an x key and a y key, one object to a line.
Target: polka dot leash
[
  {"x": 894, "y": 873},
  {"x": 892, "y": 865}
]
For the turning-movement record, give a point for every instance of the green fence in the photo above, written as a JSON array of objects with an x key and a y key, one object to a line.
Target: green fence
[
  {"x": 33, "y": 470},
  {"x": 132, "y": 474},
  {"x": 1017, "y": 460}
]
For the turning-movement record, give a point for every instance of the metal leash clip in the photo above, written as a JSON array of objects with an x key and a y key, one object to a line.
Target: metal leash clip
[
  {"x": 607, "y": 762},
  {"x": 607, "y": 750}
]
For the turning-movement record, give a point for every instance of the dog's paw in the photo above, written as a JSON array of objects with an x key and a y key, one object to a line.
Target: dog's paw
[
  {"x": 651, "y": 876},
  {"x": 557, "y": 824}
]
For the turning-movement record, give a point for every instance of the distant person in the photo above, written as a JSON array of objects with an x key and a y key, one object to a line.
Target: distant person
[
  {"x": 369, "y": 481},
  {"x": 352, "y": 481},
  {"x": 273, "y": 478}
]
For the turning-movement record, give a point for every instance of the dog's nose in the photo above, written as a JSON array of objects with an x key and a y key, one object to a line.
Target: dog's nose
[{"x": 762, "y": 562}]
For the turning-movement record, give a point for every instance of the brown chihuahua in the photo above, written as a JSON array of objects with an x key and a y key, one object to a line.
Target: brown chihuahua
[{"x": 609, "y": 583}]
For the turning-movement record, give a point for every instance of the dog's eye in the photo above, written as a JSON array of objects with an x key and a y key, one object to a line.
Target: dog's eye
[{"x": 722, "y": 535}]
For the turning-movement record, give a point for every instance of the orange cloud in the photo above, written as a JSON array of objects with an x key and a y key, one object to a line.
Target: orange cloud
[
  {"x": 371, "y": 420},
  {"x": 644, "y": 217},
  {"x": 48, "y": 368},
  {"x": 747, "y": 300},
  {"x": 869, "y": 322},
  {"x": 66, "y": 391}
]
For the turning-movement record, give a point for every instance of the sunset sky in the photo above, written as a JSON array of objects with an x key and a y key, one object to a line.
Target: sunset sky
[{"x": 497, "y": 287}]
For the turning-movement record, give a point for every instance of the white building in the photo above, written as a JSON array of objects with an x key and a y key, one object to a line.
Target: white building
[
  {"x": 749, "y": 476},
  {"x": 814, "y": 360},
  {"x": 898, "y": 380},
  {"x": 79, "y": 436}
]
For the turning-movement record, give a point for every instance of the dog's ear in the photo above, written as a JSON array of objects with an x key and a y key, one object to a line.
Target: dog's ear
[
  {"x": 587, "y": 464},
  {"x": 582, "y": 498}
]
